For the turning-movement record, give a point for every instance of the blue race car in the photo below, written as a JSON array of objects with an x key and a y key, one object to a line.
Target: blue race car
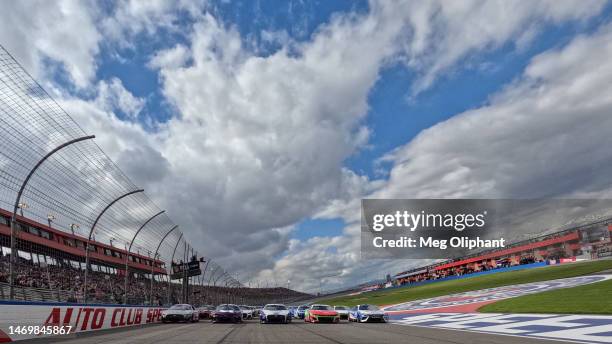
[
  {"x": 292, "y": 311},
  {"x": 301, "y": 311},
  {"x": 367, "y": 313}
]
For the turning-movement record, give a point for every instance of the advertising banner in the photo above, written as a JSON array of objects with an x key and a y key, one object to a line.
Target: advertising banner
[{"x": 20, "y": 321}]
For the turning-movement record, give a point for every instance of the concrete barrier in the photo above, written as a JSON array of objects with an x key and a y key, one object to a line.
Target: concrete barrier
[{"x": 26, "y": 320}]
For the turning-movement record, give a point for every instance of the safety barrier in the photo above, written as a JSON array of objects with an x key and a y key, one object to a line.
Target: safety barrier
[{"x": 27, "y": 320}]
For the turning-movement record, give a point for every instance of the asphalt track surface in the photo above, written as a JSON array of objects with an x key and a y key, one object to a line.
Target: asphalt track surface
[{"x": 294, "y": 333}]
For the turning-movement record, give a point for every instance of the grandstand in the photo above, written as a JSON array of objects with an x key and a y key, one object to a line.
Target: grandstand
[{"x": 586, "y": 241}]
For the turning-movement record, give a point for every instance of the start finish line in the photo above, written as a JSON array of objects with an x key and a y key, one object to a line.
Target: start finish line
[
  {"x": 594, "y": 329},
  {"x": 472, "y": 300}
]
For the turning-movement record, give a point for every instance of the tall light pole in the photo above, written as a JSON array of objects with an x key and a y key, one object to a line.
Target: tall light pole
[{"x": 127, "y": 255}]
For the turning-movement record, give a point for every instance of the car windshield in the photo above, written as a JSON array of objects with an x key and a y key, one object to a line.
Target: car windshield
[
  {"x": 181, "y": 307},
  {"x": 320, "y": 308},
  {"x": 275, "y": 308},
  {"x": 340, "y": 308},
  {"x": 225, "y": 308},
  {"x": 368, "y": 308}
]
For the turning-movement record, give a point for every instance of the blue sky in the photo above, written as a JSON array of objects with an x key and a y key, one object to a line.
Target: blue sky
[
  {"x": 395, "y": 116},
  {"x": 247, "y": 120}
]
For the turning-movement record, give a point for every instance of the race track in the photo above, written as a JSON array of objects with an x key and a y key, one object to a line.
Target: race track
[{"x": 295, "y": 333}]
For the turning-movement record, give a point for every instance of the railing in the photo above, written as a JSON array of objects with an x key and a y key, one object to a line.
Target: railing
[{"x": 36, "y": 294}]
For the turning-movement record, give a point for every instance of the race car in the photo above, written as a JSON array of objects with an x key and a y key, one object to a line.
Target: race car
[
  {"x": 300, "y": 311},
  {"x": 343, "y": 312},
  {"x": 247, "y": 312},
  {"x": 367, "y": 313},
  {"x": 321, "y": 313},
  {"x": 227, "y": 313},
  {"x": 274, "y": 313},
  {"x": 206, "y": 311},
  {"x": 292, "y": 311},
  {"x": 180, "y": 312}
]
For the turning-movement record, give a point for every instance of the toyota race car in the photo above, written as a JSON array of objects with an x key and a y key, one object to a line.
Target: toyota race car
[
  {"x": 247, "y": 312},
  {"x": 343, "y": 312},
  {"x": 321, "y": 313},
  {"x": 274, "y": 313},
  {"x": 227, "y": 313},
  {"x": 300, "y": 311},
  {"x": 367, "y": 313},
  {"x": 180, "y": 312}
]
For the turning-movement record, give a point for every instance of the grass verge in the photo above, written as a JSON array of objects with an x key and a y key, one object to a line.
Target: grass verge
[
  {"x": 593, "y": 298},
  {"x": 398, "y": 295}
]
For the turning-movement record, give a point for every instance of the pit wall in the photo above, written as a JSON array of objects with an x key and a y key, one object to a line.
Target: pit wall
[{"x": 26, "y": 320}]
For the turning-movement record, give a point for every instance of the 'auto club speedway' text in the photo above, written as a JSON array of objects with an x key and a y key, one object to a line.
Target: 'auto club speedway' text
[{"x": 95, "y": 318}]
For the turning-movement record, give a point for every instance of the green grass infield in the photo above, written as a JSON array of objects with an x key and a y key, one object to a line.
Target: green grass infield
[
  {"x": 404, "y": 294},
  {"x": 593, "y": 298}
]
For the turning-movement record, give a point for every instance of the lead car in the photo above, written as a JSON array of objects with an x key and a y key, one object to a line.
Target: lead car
[
  {"x": 367, "y": 313},
  {"x": 180, "y": 312},
  {"x": 274, "y": 313}
]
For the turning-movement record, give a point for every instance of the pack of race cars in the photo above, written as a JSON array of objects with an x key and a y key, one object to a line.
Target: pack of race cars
[{"x": 275, "y": 313}]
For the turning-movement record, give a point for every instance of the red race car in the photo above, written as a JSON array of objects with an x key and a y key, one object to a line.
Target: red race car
[{"x": 321, "y": 314}]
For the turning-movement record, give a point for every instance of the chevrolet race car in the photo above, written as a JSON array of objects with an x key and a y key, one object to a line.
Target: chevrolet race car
[
  {"x": 227, "y": 313},
  {"x": 300, "y": 311},
  {"x": 321, "y": 313},
  {"x": 274, "y": 313},
  {"x": 343, "y": 312},
  {"x": 180, "y": 312},
  {"x": 367, "y": 313}
]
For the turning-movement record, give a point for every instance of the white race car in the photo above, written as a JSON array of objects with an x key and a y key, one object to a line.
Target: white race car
[
  {"x": 367, "y": 313},
  {"x": 180, "y": 312},
  {"x": 343, "y": 312},
  {"x": 247, "y": 312},
  {"x": 274, "y": 313}
]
